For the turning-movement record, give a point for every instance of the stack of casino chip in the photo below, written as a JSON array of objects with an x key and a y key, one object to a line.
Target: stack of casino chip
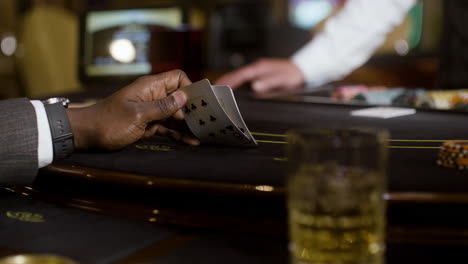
[
  {"x": 454, "y": 154},
  {"x": 459, "y": 101}
]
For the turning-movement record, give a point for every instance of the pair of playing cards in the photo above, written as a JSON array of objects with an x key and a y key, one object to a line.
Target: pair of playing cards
[{"x": 213, "y": 117}]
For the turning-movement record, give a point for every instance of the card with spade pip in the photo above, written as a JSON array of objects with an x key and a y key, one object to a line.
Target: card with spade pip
[{"x": 213, "y": 116}]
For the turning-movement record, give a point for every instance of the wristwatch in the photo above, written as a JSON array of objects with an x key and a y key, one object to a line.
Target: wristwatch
[{"x": 62, "y": 136}]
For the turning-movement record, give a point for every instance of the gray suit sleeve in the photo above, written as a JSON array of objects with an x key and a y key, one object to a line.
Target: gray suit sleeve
[{"x": 18, "y": 142}]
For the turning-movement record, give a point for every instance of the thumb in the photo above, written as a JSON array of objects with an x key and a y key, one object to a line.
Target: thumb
[{"x": 165, "y": 107}]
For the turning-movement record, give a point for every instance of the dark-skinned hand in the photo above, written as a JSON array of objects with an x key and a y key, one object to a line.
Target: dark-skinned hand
[{"x": 134, "y": 112}]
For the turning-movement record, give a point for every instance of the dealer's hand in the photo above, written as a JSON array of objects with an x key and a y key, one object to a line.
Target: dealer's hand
[
  {"x": 132, "y": 113},
  {"x": 265, "y": 75}
]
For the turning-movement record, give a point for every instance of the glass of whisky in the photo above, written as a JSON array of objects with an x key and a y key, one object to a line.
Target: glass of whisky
[{"x": 336, "y": 183}]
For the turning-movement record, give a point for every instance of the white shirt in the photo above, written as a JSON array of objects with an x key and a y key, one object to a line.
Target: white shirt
[
  {"x": 45, "y": 152},
  {"x": 349, "y": 39}
]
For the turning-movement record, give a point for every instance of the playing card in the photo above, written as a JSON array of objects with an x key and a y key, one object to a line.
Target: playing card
[
  {"x": 228, "y": 102},
  {"x": 209, "y": 121}
]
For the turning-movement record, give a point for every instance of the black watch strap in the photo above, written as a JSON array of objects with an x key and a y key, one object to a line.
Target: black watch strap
[{"x": 62, "y": 136}]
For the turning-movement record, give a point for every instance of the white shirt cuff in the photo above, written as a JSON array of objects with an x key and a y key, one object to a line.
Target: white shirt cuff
[{"x": 45, "y": 153}]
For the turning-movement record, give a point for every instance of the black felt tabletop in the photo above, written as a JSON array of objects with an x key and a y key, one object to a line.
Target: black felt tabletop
[{"x": 410, "y": 168}]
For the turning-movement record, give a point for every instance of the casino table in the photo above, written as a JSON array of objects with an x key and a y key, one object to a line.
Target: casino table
[
  {"x": 159, "y": 201},
  {"x": 161, "y": 162}
]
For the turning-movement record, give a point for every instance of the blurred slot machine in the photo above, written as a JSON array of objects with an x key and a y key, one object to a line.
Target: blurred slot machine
[{"x": 118, "y": 44}]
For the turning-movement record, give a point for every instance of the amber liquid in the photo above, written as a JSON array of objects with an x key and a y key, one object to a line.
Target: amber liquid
[{"x": 337, "y": 217}]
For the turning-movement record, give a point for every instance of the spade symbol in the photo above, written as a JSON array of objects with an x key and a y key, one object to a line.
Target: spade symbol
[
  {"x": 231, "y": 128},
  {"x": 212, "y": 118},
  {"x": 193, "y": 107},
  {"x": 203, "y": 103},
  {"x": 187, "y": 110},
  {"x": 201, "y": 122},
  {"x": 241, "y": 129}
]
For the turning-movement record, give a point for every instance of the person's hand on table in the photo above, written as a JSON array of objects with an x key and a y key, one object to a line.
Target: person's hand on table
[
  {"x": 134, "y": 112},
  {"x": 265, "y": 75}
]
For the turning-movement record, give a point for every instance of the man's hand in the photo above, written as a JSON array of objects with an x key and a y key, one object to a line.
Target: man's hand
[
  {"x": 132, "y": 113},
  {"x": 265, "y": 75}
]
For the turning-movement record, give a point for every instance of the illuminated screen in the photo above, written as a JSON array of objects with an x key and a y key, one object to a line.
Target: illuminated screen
[
  {"x": 306, "y": 14},
  {"x": 118, "y": 42}
]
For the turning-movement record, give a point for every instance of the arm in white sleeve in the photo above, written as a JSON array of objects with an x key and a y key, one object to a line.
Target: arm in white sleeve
[
  {"x": 45, "y": 151},
  {"x": 349, "y": 39}
]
